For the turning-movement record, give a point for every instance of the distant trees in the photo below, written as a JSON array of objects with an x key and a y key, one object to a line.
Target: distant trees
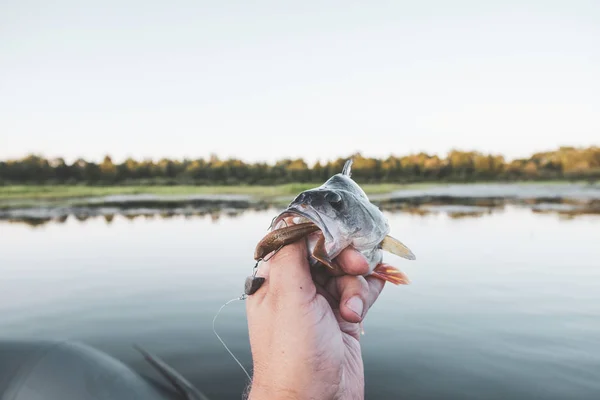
[{"x": 457, "y": 166}]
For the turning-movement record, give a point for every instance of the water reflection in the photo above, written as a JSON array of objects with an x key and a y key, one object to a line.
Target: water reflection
[
  {"x": 479, "y": 209},
  {"x": 567, "y": 201},
  {"x": 504, "y": 302}
]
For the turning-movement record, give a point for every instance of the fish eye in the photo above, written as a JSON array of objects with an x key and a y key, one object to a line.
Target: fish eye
[{"x": 334, "y": 199}]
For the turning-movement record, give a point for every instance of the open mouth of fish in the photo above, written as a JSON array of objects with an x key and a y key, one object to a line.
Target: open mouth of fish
[
  {"x": 301, "y": 217},
  {"x": 298, "y": 225}
]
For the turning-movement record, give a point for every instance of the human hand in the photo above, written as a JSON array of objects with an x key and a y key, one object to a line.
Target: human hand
[{"x": 305, "y": 328}]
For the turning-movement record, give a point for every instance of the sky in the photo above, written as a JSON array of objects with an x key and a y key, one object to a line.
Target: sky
[{"x": 267, "y": 80}]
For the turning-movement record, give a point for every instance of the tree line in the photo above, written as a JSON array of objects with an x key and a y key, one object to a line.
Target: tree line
[{"x": 456, "y": 166}]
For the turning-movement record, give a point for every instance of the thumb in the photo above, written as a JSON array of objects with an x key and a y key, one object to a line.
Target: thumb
[{"x": 289, "y": 270}]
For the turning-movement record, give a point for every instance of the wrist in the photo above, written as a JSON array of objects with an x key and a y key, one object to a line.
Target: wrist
[
  {"x": 260, "y": 392},
  {"x": 276, "y": 382}
]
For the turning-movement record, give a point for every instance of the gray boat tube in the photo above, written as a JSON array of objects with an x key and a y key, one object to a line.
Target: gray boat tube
[{"x": 48, "y": 370}]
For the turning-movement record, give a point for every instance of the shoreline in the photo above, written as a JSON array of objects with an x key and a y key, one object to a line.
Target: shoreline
[
  {"x": 452, "y": 199},
  {"x": 21, "y": 193}
]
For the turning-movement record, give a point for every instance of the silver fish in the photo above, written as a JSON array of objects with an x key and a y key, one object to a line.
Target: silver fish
[{"x": 333, "y": 216}]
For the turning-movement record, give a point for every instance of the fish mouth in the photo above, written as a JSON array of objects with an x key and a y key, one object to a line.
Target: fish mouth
[{"x": 304, "y": 217}]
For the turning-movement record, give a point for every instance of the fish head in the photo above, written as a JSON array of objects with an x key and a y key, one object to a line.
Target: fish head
[{"x": 342, "y": 212}]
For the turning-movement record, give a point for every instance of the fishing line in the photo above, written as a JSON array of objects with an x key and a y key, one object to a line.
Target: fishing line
[
  {"x": 242, "y": 297},
  {"x": 253, "y": 283}
]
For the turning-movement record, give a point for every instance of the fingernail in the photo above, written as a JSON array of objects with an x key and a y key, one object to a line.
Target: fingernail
[{"x": 356, "y": 305}]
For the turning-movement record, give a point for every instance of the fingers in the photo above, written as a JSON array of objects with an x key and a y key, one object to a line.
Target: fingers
[
  {"x": 375, "y": 288},
  {"x": 288, "y": 272},
  {"x": 352, "y": 262},
  {"x": 354, "y": 295}
]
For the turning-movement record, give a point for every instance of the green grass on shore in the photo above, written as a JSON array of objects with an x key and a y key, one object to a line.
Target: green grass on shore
[
  {"x": 12, "y": 193},
  {"x": 58, "y": 192}
]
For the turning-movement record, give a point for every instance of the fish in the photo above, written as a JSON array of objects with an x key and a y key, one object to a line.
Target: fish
[{"x": 331, "y": 217}]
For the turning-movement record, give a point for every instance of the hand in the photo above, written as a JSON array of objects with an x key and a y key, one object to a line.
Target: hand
[{"x": 305, "y": 328}]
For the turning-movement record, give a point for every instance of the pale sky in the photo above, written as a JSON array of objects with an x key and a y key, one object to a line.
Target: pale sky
[{"x": 265, "y": 80}]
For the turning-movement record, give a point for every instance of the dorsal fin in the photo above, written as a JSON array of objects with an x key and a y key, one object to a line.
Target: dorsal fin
[{"x": 347, "y": 168}]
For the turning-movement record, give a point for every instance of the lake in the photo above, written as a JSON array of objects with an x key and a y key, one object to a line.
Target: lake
[{"x": 503, "y": 303}]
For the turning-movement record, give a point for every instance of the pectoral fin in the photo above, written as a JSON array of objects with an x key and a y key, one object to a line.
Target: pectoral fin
[
  {"x": 394, "y": 246},
  {"x": 390, "y": 274}
]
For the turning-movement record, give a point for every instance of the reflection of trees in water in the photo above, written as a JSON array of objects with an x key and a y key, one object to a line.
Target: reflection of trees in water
[
  {"x": 32, "y": 222},
  {"x": 569, "y": 214},
  {"x": 460, "y": 215},
  {"x": 422, "y": 210},
  {"x": 82, "y": 217},
  {"x": 234, "y": 213}
]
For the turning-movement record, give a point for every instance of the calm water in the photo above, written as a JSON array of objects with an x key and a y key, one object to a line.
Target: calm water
[{"x": 504, "y": 305}]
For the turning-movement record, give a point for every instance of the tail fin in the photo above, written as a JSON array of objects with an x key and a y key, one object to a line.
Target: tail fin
[{"x": 390, "y": 274}]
